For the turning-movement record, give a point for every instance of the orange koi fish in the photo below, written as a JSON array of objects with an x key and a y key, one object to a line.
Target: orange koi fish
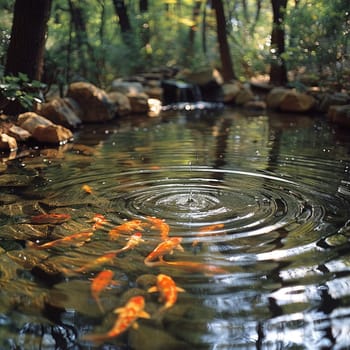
[
  {"x": 99, "y": 220},
  {"x": 133, "y": 241},
  {"x": 76, "y": 240},
  {"x": 165, "y": 247},
  {"x": 87, "y": 189},
  {"x": 204, "y": 231},
  {"x": 193, "y": 266},
  {"x": 128, "y": 316},
  {"x": 53, "y": 218},
  {"x": 168, "y": 291},
  {"x": 160, "y": 225},
  {"x": 100, "y": 283},
  {"x": 101, "y": 260},
  {"x": 126, "y": 227}
]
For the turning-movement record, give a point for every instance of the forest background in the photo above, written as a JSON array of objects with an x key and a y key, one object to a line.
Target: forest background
[{"x": 286, "y": 42}]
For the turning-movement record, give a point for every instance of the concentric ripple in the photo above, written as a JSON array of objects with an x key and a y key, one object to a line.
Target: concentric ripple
[{"x": 240, "y": 204}]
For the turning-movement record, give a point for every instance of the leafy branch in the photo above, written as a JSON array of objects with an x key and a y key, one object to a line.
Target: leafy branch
[{"x": 22, "y": 90}]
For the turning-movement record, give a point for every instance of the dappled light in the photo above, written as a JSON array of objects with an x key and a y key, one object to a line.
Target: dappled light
[
  {"x": 202, "y": 235},
  {"x": 174, "y": 175}
]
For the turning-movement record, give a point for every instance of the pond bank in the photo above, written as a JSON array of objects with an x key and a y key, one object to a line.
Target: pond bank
[{"x": 54, "y": 121}]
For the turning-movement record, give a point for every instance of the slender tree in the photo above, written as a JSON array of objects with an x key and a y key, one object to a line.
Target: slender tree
[
  {"x": 124, "y": 22},
  {"x": 225, "y": 56},
  {"x": 278, "y": 70},
  {"x": 193, "y": 28},
  {"x": 27, "y": 44}
]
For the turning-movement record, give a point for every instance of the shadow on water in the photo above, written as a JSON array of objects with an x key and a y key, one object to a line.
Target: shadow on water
[{"x": 260, "y": 204}]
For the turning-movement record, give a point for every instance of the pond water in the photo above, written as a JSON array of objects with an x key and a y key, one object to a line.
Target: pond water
[{"x": 260, "y": 203}]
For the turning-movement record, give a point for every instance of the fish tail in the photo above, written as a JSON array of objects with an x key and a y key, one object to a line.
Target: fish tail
[
  {"x": 153, "y": 263},
  {"x": 99, "y": 304}
]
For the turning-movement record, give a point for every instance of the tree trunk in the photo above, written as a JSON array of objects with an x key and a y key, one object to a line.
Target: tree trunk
[
  {"x": 143, "y": 6},
  {"x": 27, "y": 45},
  {"x": 193, "y": 28},
  {"x": 226, "y": 61},
  {"x": 278, "y": 70},
  {"x": 124, "y": 22}
]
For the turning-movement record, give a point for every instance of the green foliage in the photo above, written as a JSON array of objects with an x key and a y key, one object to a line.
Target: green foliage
[
  {"x": 317, "y": 35},
  {"x": 22, "y": 90}
]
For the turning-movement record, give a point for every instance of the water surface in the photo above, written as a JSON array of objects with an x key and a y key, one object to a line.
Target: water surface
[{"x": 273, "y": 273}]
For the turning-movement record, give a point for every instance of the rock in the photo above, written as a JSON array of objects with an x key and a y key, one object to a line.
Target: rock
[
  {"x": 18, "y": 133},
  {"x": 127, "y": 87},
  {"x": 8, "y": 143},
  {"x": 297, "y": 102},
  {"x": 48, "y": 272},
  {"x": 30, "y": 120},
  {"x": 155, "y": 338},
  {"x": 43, "y": 130},
  {"x": 230, "y": 91},
  {"x": 201, "y": 77},
  {"x": 255, "y": 105},
  {"x": 339, "y": 114},
  {"x": 154, "y": 92},
  {"x": 138, "y": 102},
  {"x": 288, "y": 100},
  {"x": 146, "y": 281},
  {"x": 60, "y": 112},
  {"x": 244, "y": 95},
  {"x": 328, "y": 100},
  {"x": 275, "y": 96},
  {"x": 208, "y": 80},
  {"x": 74, "y": 106},
  {"x": 121, "y": 103},
  {"x": 56, "y": 134},
  {"x": 93, "y": 101}
]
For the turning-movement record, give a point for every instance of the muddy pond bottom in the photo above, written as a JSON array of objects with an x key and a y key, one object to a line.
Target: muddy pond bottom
[{"x": 196, "y": 230}]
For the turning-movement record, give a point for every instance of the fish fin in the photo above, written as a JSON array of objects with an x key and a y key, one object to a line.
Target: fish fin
[
  {"x": 135, "y": 325},
  {"x": 144, "y": 314},
  {"x": 99, "y": 304},
  {"x": 180, "y": 248},
  {"x": 118, "y": 310},
  {"x": 115, "y": 283},
  {"x": 152, "y": 289},
  {"x": 179, "y": 289}
]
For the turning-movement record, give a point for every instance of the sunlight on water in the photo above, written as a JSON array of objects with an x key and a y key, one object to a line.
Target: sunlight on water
[{"x": 261, "y": 208}]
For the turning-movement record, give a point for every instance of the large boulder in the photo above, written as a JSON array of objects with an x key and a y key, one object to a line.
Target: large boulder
[
  {"x": 30, "y": 121},
  {"x": 43, "y": 130},
  {"x": 288, "y": 100},
  {"x": 18, "y": 133},
  {"x": 127, "y": 87},
  {"x": 230, "y": 91},
  {"x": 208, "y": 80},
  {"x": 244, "y": 95},
  {"x": 56, "y": 134},
  {"x": 59, "y": 112},
  {"x": 339, "y": 114},
  {"x": 201, "y": 77},
  {"x": 332, "y": 99},
  {"x": 93, "y": 101},
  {"x": 138, "y": 102},
  {"x": 121, "y": 103}
]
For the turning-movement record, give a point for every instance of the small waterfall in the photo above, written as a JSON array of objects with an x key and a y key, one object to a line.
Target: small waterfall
[{"x": 177, "y": 91}]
